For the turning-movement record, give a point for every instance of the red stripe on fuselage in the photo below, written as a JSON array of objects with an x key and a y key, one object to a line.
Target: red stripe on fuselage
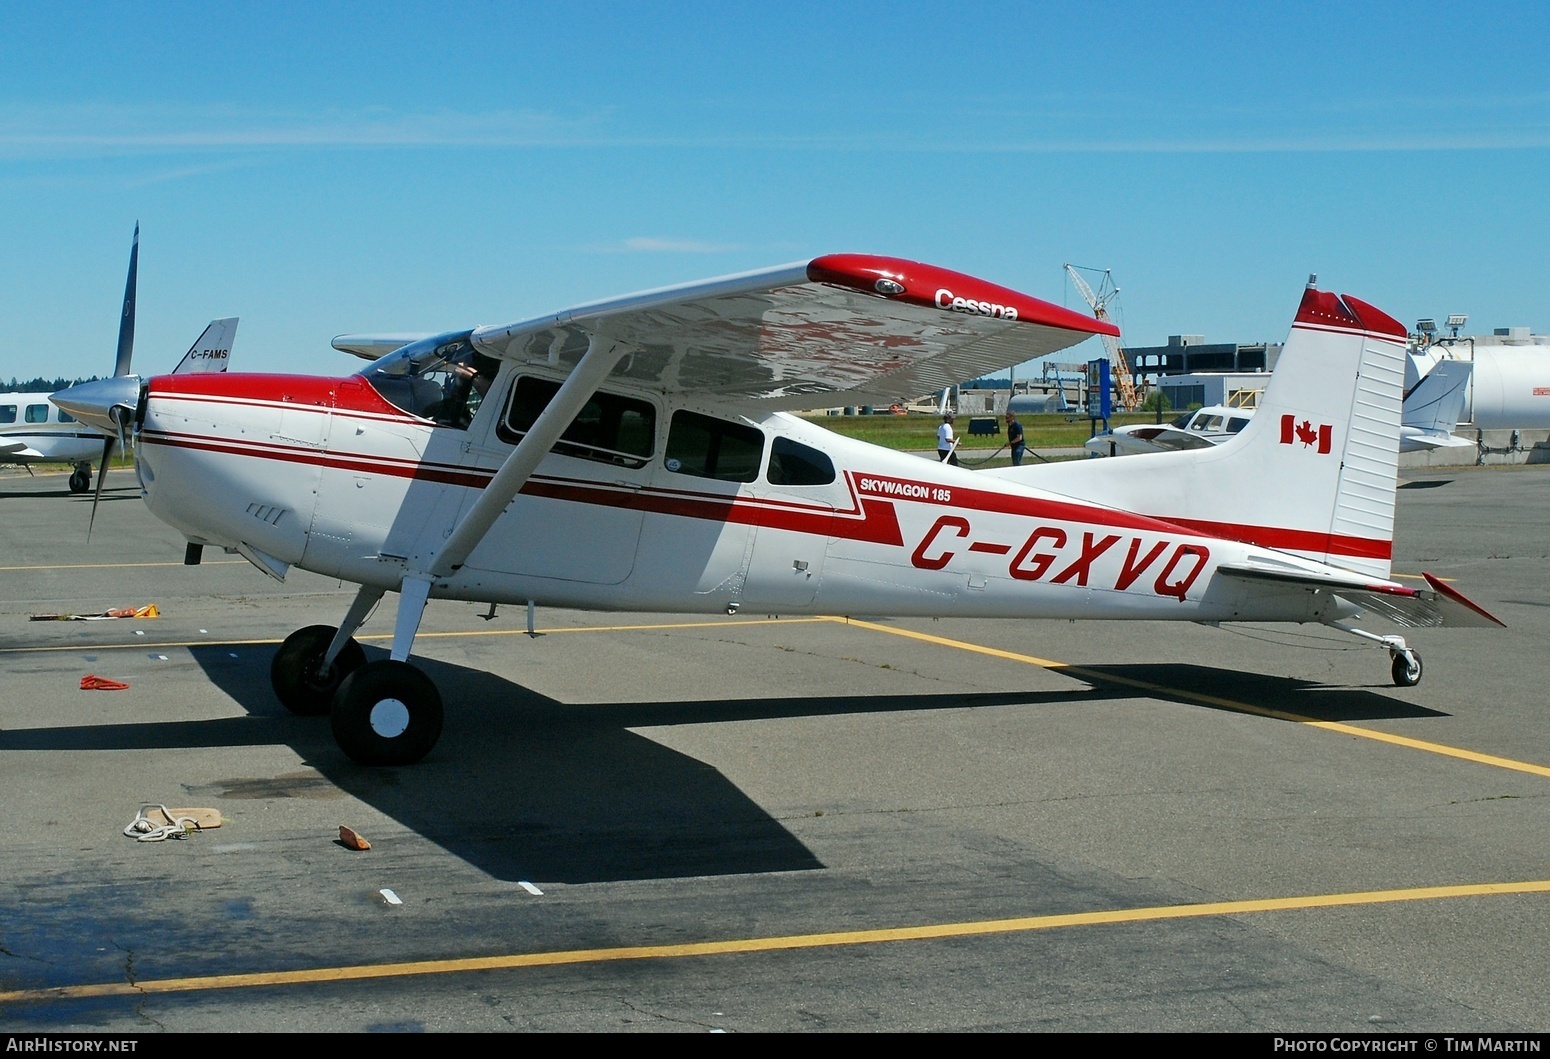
[
  {"x": 871, "y": 518},
  {"x": 1290, "y": 540}
]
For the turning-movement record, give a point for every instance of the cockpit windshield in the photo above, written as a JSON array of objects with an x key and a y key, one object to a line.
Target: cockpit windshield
[{"x": 442, "y": 379}]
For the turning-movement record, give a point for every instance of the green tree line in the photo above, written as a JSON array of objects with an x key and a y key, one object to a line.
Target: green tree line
[{"x": 41, "y": 385}]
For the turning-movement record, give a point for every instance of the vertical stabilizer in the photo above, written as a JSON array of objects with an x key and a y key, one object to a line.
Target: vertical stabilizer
[
  {"x": 1314, "y": 471},
  {"x": 212, "y": 351},
  {"x": 1436, "y": 403}
]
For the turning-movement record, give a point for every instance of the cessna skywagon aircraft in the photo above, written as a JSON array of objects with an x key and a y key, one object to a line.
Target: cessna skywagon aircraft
[
  {"x": 33, "y": 430},
  {"x": 637, "y": 454}
]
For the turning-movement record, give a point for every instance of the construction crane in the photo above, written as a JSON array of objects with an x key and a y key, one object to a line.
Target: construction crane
[{"x": 1129, "y": 399}]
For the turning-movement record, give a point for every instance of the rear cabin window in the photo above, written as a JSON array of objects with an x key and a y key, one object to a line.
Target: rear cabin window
[
  {"x": 64, "y": 417},
  {"x": 609, "y": 429},
  {"x": 792, "y": 463},
  {"x": 7, "y": 413},
  {"x": 1236, "y": 423},
  {"x": 714, "y": 448},
  {"x": 37, "y": 413}
]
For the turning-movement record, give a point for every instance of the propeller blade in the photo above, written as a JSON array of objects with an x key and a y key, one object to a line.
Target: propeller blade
[
  {"x": 102, "y": 476},
  {"x": 126, "y": 321}
]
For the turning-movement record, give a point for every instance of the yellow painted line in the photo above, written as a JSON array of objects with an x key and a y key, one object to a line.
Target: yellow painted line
[
  {"x": 1095, "y": 677},
  {"x": 927, "y": 932},
  {"x": 121, "y": 566}
]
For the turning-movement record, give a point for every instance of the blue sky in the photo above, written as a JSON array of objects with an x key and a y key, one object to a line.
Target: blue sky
[{"x": 326, "y": 168}]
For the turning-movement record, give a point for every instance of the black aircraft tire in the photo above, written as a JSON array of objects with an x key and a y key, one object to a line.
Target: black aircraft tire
[
  {"x": 79, "y": 482},
  {"x": 294, "y": 670},
  {"x": 1406, "y": 674},
  {"x": 387, "y": 713}
]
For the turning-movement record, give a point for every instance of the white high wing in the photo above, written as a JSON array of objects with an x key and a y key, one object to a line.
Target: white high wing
[
  {"x": 638, "y": 454},
  {"x": 34, "y": 430}
]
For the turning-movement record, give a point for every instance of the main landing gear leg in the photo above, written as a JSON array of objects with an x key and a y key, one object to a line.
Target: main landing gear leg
[
  {"x": 388, "y": 712},
  {"x": 1404, "y": 661}
]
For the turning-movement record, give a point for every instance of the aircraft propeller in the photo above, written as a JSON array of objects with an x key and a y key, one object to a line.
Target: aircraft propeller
[{"x": 109, "y": 404}]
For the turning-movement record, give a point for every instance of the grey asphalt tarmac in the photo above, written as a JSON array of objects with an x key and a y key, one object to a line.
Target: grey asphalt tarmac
[{"x": 652, "y": 823}]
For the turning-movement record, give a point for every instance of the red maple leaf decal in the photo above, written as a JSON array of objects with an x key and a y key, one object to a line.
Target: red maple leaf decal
[{"x": 1306, "y": 434}]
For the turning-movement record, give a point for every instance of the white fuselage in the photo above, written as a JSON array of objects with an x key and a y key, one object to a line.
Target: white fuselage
[{"x": 326, "y": 475}]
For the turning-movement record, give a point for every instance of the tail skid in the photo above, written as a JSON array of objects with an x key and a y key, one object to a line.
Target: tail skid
[{"x": 1314, "y": 471}]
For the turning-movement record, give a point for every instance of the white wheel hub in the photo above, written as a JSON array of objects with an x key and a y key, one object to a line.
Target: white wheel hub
[{"x": 389, "y": 718}]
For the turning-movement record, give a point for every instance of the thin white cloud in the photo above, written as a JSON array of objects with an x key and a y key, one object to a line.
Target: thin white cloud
[
  {"x": 648, "y": 244},
  {"x": 111, "y": 129},
  {"x": 97, "y": 130}
]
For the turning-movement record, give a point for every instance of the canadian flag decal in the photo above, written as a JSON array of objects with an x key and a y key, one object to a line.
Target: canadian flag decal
[{"x": 1293, "y": 432}]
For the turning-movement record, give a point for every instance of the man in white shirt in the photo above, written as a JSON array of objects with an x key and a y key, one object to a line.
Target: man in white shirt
[{"x": 946, "y": 445}]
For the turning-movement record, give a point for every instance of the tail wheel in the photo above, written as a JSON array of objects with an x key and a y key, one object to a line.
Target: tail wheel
[
  {"x": 387, "y": 713},
  {"x": 297, "y": 672},
  {"x": 1406, "y": 668}
]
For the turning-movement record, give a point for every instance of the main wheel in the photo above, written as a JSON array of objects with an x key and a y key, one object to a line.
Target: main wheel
[
  {"x": 387, "y": 713},
  {"x": 297, "y": 673},
  {"x": 1406, "y": 669}
]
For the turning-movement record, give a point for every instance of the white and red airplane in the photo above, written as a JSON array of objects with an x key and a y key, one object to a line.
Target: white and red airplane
[{"x": 638, "y": 454}]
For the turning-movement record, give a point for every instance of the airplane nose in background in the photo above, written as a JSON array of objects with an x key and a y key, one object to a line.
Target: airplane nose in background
[{"x": 95, "y": 402}]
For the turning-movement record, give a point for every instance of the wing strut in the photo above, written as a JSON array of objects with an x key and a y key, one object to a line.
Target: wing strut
[{"x": 602, "y": 355}]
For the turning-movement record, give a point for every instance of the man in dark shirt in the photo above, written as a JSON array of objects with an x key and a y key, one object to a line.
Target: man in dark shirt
[{"x": 1014, "y": 438}]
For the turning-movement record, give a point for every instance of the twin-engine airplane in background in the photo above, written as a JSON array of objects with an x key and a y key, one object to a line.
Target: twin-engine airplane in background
[
  {"x": 639, "y": 454},
  {"x": 34, "y": 430}
]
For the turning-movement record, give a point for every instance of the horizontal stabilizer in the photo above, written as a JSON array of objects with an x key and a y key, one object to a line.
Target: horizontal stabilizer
[{"x": 1409, "y": 607}]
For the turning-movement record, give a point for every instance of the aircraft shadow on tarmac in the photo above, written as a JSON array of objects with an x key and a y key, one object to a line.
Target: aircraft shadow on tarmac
[
  {"x": 527, "y": 788},
  {"x": 1303, "y": 699}
]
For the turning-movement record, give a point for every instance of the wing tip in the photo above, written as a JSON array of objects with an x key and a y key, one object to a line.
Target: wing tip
[{"x": 931, "y": 286}]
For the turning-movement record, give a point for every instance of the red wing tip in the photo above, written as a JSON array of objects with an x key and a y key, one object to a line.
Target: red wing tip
[
  {"x": 916, "y": 283},
  {"x": 1442, "y": 588}
]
